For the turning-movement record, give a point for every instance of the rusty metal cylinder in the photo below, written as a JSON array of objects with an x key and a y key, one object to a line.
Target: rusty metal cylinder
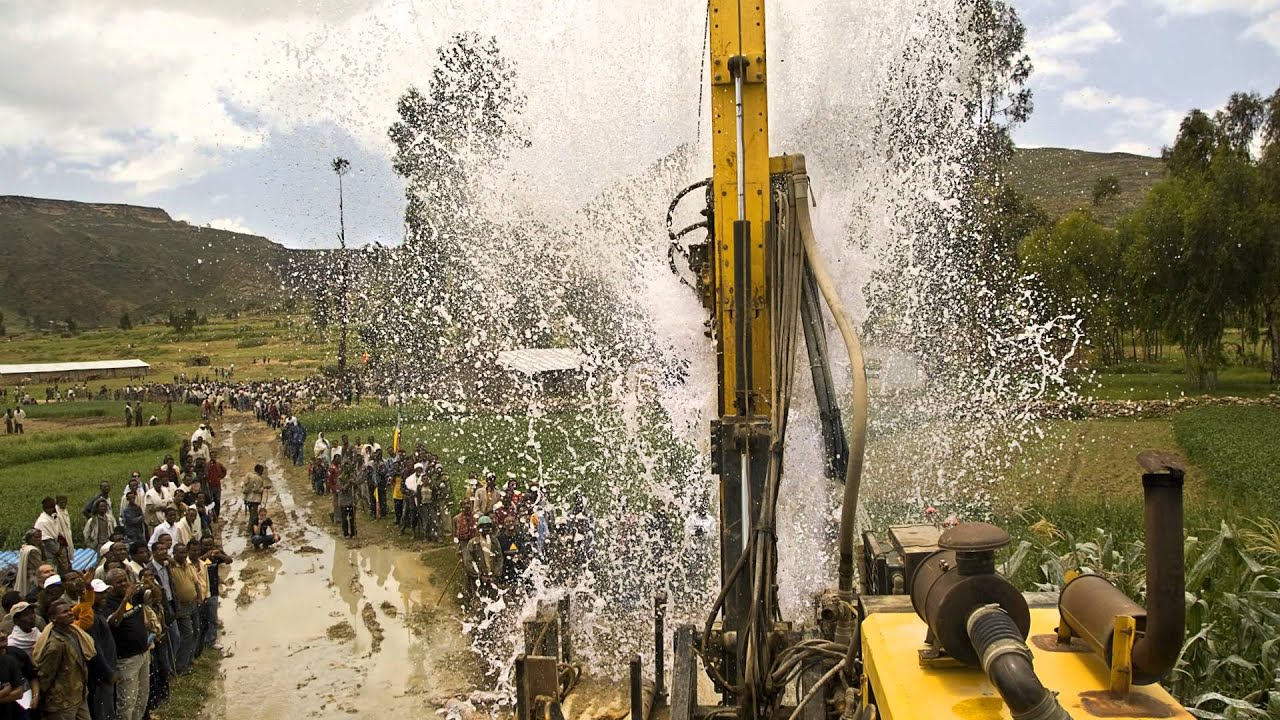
[
  {"x": 944, "y": 597},
  {"x": 1089, "y": 604}
]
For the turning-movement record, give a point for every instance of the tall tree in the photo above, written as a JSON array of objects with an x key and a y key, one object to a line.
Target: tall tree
[
  {"x": 1078, "y": 262},
  {"x": 448, "y": 140},
  {"x": 1269, "y": 218},
  {"x": 999, "y": 98},
  {"x": 341, "y": 166}
]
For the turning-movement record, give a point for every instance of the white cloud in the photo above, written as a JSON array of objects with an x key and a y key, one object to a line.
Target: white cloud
[
  {"x": 231, "y": 224},
  {"x": 1263, "y": 15},
  {"x": 1132, "y": 115},
  {"x": 1134, "y": 147},
  {"x": 1084, "y": 31}
]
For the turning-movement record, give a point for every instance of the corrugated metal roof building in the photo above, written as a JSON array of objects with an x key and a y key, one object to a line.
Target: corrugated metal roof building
[{"x": 73, "y": 371}]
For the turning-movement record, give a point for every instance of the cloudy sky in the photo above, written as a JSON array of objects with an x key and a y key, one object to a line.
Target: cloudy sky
[{"x": 226, "y": 112}]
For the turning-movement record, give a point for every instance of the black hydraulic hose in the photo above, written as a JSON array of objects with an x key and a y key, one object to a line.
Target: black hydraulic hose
[
  {"x": 1007, "y": 661},
  {"x": 671, "y": 209}
]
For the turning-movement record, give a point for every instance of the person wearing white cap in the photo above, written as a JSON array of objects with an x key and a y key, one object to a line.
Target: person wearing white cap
[
  {"x": 123, "y": 608},
  {"x": 24, "y": 633},
  {"x": 102, "y": 674}
]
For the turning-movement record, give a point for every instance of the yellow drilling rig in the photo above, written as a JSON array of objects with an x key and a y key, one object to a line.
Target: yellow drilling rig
[{"x": 921, "y": 624}]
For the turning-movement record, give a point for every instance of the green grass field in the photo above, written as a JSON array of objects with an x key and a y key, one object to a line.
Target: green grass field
[
  {"x": 41, "y": 447},
  {"x": 72, "y": 463},
  {"x": 1167, "y": 382},
  {"x": 293, "y": 347},
  {"x": 107, "y": 409},
  {"x": 1239, "y": 448}
]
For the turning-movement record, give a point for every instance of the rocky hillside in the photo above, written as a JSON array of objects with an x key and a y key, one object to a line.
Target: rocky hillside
[{"x": 93, "y": 262}]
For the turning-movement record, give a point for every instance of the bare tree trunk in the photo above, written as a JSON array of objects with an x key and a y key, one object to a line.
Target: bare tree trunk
[{"x": 1273, "y": 337}]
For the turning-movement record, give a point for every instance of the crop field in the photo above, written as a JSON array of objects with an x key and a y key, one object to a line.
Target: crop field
[{"x": 259, "y": 346}]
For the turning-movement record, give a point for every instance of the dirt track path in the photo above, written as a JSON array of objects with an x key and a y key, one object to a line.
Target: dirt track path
[{"x": 316, "y": 626}]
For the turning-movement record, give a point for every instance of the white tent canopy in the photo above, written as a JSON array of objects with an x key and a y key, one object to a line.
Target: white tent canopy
[{"x": 532, "y": 361}]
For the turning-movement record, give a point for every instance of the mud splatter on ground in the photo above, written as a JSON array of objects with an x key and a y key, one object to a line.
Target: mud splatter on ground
[
  {"x": 370, "y": 620},
  {"x": 341, "y": 632}
]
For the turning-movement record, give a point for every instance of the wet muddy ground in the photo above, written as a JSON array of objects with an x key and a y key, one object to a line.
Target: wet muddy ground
[{"x": 320, "y": 626}]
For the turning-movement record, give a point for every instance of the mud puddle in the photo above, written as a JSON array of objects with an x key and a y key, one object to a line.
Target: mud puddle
[{"x": 316, "y": 628}]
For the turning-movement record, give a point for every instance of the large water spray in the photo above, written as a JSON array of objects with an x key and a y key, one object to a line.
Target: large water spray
[{"x": 567, "y": 246}]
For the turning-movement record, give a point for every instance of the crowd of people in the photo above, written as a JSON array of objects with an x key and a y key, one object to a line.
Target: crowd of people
[
  {"x": 104, "y": 640},
  {"x": 499, "y": 531}
]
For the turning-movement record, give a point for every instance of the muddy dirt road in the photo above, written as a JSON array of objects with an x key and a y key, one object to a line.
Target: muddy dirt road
[{"x": 316, "y": 627}]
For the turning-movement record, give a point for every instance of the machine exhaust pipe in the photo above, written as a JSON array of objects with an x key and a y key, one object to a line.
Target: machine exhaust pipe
[{"x": 1089, "y": 604}]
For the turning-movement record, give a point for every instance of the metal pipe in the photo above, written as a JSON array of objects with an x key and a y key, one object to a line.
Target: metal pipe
[
  {"x": 742, "y": 144},
  {"x": 659, "y": 654},
  {"x": 1156, "y": 651},
  {"x": 1090, "y": 603},
  {"x": 637, "y": 699}
]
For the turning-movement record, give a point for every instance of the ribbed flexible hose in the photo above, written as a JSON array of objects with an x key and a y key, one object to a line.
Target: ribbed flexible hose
[
  {"x": 1007, "y": 661},
  {"x": 858, "y": 428}
]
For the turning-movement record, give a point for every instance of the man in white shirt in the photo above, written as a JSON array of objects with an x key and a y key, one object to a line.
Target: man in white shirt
[
  {"x": 140, "y": 494},
  {"x": 203, "y": 432},
  {"x": 199, "y": 450},
  {"x": 168, "y": 527},
  {"x": 51, "y": 542},
  {"x": 159, "y": 499},
  {"x": 188, "y": 527}
]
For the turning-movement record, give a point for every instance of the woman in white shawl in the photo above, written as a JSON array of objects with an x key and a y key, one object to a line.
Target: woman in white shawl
[
  {"x": 30, "y": 558},
  {"x": 99, "y": 526}
]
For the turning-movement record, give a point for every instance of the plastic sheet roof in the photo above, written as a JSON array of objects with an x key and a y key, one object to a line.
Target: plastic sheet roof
[
  {"x": 532, "y": 361},
  {"x": 34, "y": 368}
]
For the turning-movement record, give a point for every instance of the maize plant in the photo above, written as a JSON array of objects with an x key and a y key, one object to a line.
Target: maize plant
[{"x": 1229, "y": 667}]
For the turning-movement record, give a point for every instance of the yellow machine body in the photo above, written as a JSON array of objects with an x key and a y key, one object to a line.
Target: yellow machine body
[
  {"x": 736, "y": 27},
  {"x": 904, "y": 689}
]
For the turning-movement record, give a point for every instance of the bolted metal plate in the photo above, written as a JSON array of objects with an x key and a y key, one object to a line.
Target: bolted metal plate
[{"x": 974, "y": 537}]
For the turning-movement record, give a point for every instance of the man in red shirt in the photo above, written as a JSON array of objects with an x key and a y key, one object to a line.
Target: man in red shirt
[{"x": 214, "y": 473}]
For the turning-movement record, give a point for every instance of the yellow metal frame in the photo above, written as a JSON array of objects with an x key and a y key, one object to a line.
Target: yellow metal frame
[
  {"x": 1122, "y": 655},
  {"x": 903, "y": 690},
  {"x": 737, "y": 28}
]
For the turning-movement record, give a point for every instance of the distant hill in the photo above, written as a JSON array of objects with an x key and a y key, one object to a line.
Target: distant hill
[
  {"x": 1061, "y": 180},
  {"x": 92, "y": 262}
]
